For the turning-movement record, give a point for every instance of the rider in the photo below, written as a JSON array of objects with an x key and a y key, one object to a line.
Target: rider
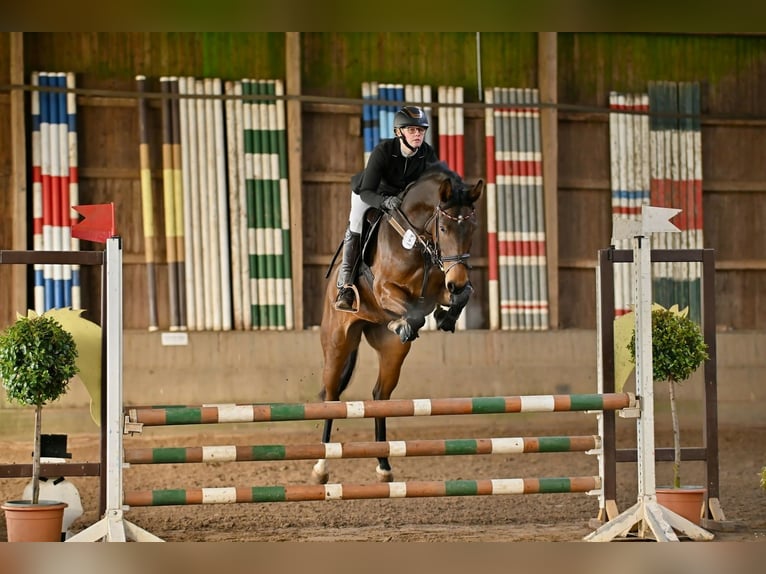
[{"x": 392, "y": 166}]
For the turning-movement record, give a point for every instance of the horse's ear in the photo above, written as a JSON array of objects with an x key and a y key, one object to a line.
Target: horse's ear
[
  {"x": 445, "y": 190},
  {"x": 476, "y": 191}
]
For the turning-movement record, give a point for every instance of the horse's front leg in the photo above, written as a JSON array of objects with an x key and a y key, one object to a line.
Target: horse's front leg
[
  {"x": 408, "y": 326},
  {"x": 446, "y": 319},
  {"x": 391, "y": 355},
  {"x": 407, "y": 321}
]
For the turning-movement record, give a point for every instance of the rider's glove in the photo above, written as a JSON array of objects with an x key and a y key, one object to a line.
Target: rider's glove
[{"x": 390, "y": 203}]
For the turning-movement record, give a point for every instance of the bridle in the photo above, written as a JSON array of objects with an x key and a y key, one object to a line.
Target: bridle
[
  {"x": 437, "y": 257},
  {"x": 429, "y": 244}
]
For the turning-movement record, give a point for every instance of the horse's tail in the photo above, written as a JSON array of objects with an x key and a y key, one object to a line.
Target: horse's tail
[{"x": 345, "y": 375}]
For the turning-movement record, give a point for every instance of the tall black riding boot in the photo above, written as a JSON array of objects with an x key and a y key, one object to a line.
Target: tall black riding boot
[{"x": 351, "y": 248}]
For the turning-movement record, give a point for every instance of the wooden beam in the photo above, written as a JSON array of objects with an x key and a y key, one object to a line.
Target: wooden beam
[
  {"x": 18, "y": 171},
  {"x": 547, "y": 71},
  {"x": 295, "y": 160}
]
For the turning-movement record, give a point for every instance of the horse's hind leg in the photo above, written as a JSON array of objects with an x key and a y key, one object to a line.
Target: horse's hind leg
[
  {"x": 319, "y": 474},
  {"x": 340, "y": 353},
  {"x": 391, "y": 355}
]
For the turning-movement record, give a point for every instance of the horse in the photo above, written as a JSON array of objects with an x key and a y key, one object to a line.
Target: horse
[{"x": 414, "y": 262}]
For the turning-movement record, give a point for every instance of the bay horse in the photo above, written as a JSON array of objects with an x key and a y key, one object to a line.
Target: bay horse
[{"x": 397, "y": 287}]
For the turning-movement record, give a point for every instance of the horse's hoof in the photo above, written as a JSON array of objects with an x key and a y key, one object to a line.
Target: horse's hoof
[
  {"x": 319, "y": 474},
  {"x": 444, "y": 321},
  {"x": 403, "y": 328},
  {"x": 319, "y": 477},
  {"x": 384, "y": 475}
]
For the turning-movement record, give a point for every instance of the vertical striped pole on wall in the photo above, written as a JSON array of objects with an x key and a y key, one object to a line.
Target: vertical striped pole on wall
[
  {"x": 232, "y": 174},
  {"x": 451, "y": 148},
  {"x": 691, "y": 185},
  {"x": 187, "y": 277},
  {"x": 492, "y": 249},
  {"x": 168, "y": 192},
  {"x": 254, "y": 265},
  {"x": 178, "y": 200},
  {"x": 57, "y": 186},
  {"x": 538, "y": 240},
  {"x": 692, "y": 132},
  {"x": 242, "y": 170},
  {"x": 373, "y": 119},
  {"x": 526, "y": 205},
  {"x": 222, "y": 207},
  {"x": 74, "y": 184},
  {"x": 45, "y": 170},
  {"x": 287, "y": 316},
  {"x": 52, "y": 134},
  {"x": 459, "y": 133},
  {"x": 382, "y": 108},
  {"x": 205, "y": 285},
  {"x": 195, "y": 262},
  {"x": 212, "y": 213},
  {"x": 444, "y": 124},
  {"x": 53, "y": 293},
  {"x": 677, "y": 182},
  {"x": 37, "y": 195},
  {"x": 426, "y": 98},
  {"x": 147, "y": 203},
  {"x": 502, "y": 175},
  {"x": 368, "y": 119},
  {"x": 629, "y": 168},
  {"x": 266, "y": 189},
  {"x": 263, "y": 209},
  {"x": 259, "y": 261},
  {"x": 65, "y": 209}
]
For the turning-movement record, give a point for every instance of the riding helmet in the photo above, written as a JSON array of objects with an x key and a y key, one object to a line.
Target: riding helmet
[{"x": 410, "y": 116}]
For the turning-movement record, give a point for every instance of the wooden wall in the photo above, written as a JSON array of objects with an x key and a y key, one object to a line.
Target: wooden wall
[{"x": 732, "y": 70}]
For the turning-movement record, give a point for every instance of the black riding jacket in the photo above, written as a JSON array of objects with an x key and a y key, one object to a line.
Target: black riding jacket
[{"x": 388, "y": 172}]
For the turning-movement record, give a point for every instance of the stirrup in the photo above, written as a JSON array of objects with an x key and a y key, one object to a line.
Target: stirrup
[{"x": 338, "y": 299}]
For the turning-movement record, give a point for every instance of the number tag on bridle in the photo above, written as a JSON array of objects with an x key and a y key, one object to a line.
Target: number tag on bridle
[{"x": 408, "y": 239}]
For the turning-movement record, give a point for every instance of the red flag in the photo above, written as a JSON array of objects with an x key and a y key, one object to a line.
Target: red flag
[{"x": 97, "y": 223}]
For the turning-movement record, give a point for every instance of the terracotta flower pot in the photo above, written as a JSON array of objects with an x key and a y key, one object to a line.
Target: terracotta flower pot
[
  {"x": 29, "y": 522},
  {"x": 686, "y": 501}
]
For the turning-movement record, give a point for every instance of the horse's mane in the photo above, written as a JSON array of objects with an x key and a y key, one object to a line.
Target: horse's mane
[{"x": 441, "y": 171}]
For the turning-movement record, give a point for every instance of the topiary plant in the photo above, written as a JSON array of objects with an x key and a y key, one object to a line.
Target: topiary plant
[
  {"x": 678, "y": 349},
  {"x": 37, "y": 360}
]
